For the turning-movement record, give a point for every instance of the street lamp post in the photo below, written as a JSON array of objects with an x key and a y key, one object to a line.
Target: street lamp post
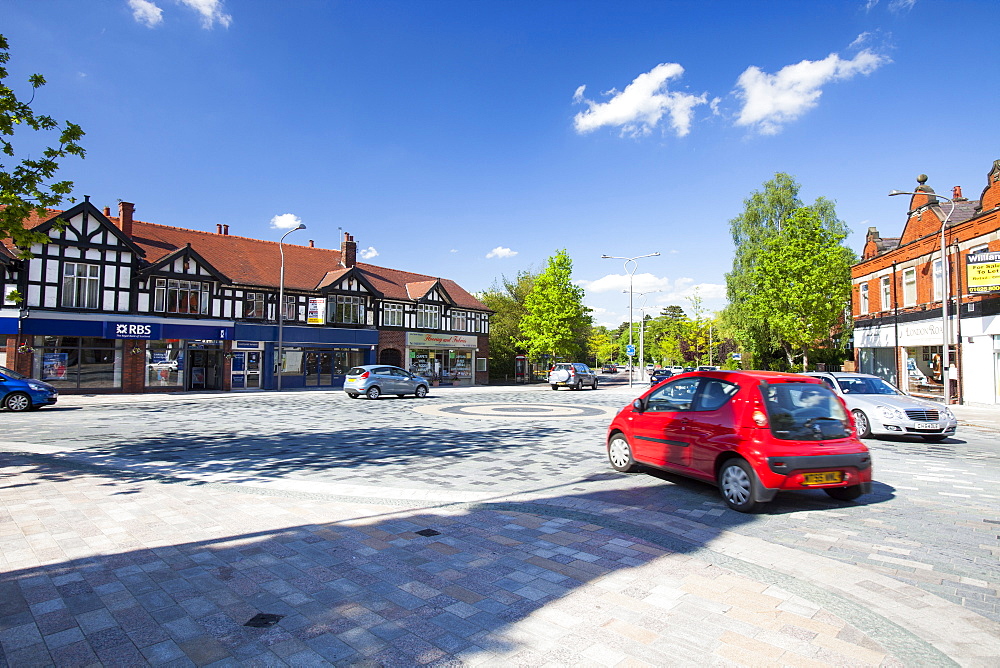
[
  {"x": 631, "y": 274},
  {"x": 281, "y": 303},
  {"x": 642, "y": 329},
  {"x": 945, "y": 291}
]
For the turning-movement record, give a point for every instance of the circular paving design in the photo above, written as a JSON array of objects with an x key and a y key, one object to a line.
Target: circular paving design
[{"x": 517, "y": 411}]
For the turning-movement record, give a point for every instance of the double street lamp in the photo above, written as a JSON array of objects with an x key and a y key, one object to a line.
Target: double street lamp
[
  {"x": 631, "y": 274},
  {"x": 642, "y": 328},
  {"x": 945, "y": 291},
  {"x": 281, "y": 304}
]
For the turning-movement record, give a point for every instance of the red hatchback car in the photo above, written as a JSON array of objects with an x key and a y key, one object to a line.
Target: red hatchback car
[{"x": 753, "y": 433}]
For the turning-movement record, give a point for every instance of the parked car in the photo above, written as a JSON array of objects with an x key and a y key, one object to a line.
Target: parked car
[
  {"x": 676, "y": 369},
  {"x": 574, "y": 375},
  {"x": 374, "y": 380},
  {"x": 707, "y": 368},
  {"x": 609, "y": 368},
  {"x": 20, "y": 393},
  {"x": 659, "y": 375},
  {"x": 752, "y": 433},
  {"x": 879, "y": 408}
]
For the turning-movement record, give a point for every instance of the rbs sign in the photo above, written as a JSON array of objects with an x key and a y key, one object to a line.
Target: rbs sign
[{"x": 131, "y": 330}]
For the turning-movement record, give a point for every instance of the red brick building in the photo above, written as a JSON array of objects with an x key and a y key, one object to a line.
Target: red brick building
[{"x": 898, "y": 295}]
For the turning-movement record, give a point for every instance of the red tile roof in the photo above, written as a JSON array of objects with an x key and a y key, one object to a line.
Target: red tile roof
[{"x": 256, "y": 262}]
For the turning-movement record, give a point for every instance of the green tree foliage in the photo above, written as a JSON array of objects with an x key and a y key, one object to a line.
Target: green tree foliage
[
  {"x": 557, "y": 323},
  {"x": 506, "y": 298},
  {"x": 601, "y": 347},
  {"x": 790, "y": 280},
  {"x": 27, "y": 186}
]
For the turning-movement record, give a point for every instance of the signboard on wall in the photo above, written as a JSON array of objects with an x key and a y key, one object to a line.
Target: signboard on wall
[
  {"x": 131, "y": 330},
  {"x": 428, "y": 340},
  {"x": 982, "y": 271},
  {"x": 316, "y": 315}
]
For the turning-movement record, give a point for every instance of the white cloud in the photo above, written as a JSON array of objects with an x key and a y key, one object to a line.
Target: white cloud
[
  {"x": 368, "y": 253},
  {"x": 285, "y": 221},
  {"x": 660, "y": 290},
  {"x": 770, "y": 100},
  {"x": 901, "y": 5},
  {"x": 146, "y": 12},
  {"x": 639, "y": 108},
  {"x": 500, "y": 251},
  {"x": 211, "y": 12},
  {"x": 453, "y": 250}
]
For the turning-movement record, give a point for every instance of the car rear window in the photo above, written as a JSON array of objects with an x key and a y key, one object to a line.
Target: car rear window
[
  {"x": 355, "y": 371},
  {"x": 804, "y": 412}
]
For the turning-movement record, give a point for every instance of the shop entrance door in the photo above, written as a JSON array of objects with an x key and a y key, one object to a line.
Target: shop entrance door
[
  {"x": 206, "y": 370},
  {"x": 318, "y": 368}
]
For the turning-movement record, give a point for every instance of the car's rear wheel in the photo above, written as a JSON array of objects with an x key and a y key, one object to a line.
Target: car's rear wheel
[
  {"x": 736, "y": 481},
  {"x": 420, "y": 392},
  {"x": 17, "y": 402},
  {"x": 594, "y": 386},
  {"x": 578, "y": 386},
  {"x": 861, "y": 421},
  {"x": 620, "y": 454},
  {"x": 555, "y": 387},
  {"x": 934, "y": 438},
  {"x": 373, "y": 392},
  {"x": 844, "y": 493}
]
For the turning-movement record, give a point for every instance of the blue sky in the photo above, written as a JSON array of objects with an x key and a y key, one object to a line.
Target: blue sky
[{"x": 473, "y": 139}]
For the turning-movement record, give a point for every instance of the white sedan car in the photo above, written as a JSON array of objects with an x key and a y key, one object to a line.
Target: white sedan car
[{"x": 879, "y": 408}]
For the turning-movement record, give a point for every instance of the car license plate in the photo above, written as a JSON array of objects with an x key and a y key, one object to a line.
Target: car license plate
[
  {"x": 824, "y": 478},
  {"x": 927, "y": 425}
]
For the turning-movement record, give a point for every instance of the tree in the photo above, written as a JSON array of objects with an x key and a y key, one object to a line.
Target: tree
[
  {"x": 601, "y": 346},
  {"x": 766, "y": 230},
  {"x": 557, "y": 323},
  {"x": 27, "y": 186},
  {"x": 506, "y": 299}
]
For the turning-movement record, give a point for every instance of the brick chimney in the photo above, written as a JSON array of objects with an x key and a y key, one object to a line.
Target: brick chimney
[
  {"x": 956, "y": 194},
  {"x": 125, "y": 211},
  {"x": 225, "y": 230},
  {"x": 218, "y": 228},
  {"x": 312, "y": 243},
  {"x": 107, "y": 212},
  {"x": 348, "y": 251}
]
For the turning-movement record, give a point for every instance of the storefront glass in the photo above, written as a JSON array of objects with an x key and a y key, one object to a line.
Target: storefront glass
[
  {"x": 318, "y": 367},
  {"x": 165, "y": 363},
  {"x": 445, "y": 366},
  {"x": 70, "y": 362},
  {"x": 924, "y": 370}
]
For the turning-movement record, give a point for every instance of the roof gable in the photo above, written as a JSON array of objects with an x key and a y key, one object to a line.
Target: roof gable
[
  {"x": 78, "y": 226},
  {"x": 343, "y": 279},
  {"x": 184, "y": 256}
]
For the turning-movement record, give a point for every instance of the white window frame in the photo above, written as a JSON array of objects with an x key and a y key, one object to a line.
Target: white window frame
[
  {"x": 291, "y": 311},
  {"x": 254, "y": 303},
  {"x": 347, "y": 310},
  {"x": 886, "y": 293},
  {"x": 81, "y": 286},
  {"x": 863, "y": 298},
  {"x": 392, "y": 315},
  {"x": 985, "y": 248},
  {"x": 460, "y": 321},
  {"x": 184, "y": 288},
  {"x": 910, "y": 287},
  {"x": 936, "y": 276},
  {"x": 428, "y": 316}
]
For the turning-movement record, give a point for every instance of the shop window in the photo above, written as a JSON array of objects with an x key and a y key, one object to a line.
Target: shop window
[
  {"x": 347, "y": 310},
  {"x": 886, "y": 294},
  {"x": 392, "y": 315},
  {"x": 176, "y": 296},
  {"x": 81, "y": 285},
  {"x": 459, "y": 321},
  {"x": 863, "y": 300},
  {"x": 910, "y": 287},
  {"x": 253, "y": 308},
  {"x": 428, "y": 316},
  {"x": 71, "y": 362},
  {"x": 165, "y": 363}
]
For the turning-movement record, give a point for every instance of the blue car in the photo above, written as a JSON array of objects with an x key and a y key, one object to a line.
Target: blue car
[{"x": 20, "y": 393}]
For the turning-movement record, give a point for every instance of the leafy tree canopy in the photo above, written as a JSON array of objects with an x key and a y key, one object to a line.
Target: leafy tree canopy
[
  {"x": 557, "y": 322},
  {"x": 26, "y": 185}
]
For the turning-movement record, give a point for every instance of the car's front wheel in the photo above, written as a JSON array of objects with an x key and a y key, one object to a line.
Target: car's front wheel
[
  {"x": 620, "y": 454},
  {"x": 373, "y": 392},
  {"x": 420, "y": 392},
  {"x": 594, "y": 386},
  {"x": 17, "y": 401},
  {"x": 861, "y": 422},
  {"x": 736, "y": 484}
]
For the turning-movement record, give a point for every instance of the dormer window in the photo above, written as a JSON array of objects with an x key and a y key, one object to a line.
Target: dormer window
[
  {"x": 253, "y": 308},
  {"x": 428, "y": 316},
  {"x": 347, "y": 310},
  {"x": 460, "y": 321},
  {"x": 176, "y": 296},
  {"x": 81, "y": 285}
]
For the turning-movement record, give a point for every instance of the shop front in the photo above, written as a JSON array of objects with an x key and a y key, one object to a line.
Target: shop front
[
  {"x": 447, "y": 359},
  {"x": 909, "y": 355},
  {"x": 313, "y": 357}
]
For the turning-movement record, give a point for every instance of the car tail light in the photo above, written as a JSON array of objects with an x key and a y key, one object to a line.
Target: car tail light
[
  {"x": 364, "y": 375},
  {"x": 759, "y": 418}
]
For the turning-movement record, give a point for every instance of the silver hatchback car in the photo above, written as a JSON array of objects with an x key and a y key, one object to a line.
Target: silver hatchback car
[{"x": 374, "y": 380}]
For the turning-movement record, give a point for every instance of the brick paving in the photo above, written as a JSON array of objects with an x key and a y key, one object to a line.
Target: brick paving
[{"x": 160, "y": 554}]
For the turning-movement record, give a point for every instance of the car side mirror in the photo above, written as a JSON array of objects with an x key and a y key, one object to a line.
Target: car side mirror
[{"x": 637, "y": 406}]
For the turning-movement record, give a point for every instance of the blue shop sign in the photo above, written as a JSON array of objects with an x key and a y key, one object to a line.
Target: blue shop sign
[{"x": 131, "y": 330}]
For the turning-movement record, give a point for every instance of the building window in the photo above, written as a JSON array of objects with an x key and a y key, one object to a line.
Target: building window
[
  {"x": 81, "y": 283},
  {"x": 184, "y": 297},
  {"x": 937, "y": 280},
  {"x": 348, "y": 310},
  {"x": 459, "y": 321},
  {"x": 291, "y": 310},
  {"x": 392, "y": 315},
  {"x": 985, "y": 248},
  {"x": 863, "y": 301},
  {"x": 428, "y": 316},
  {"x": 70, "y": 362},
  {"x": 910, "y": 287},
  {"x": 886, "y": 294},
  {"x": 254, "y": 307}
]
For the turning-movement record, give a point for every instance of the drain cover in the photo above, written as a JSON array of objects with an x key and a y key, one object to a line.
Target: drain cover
[
  {"x": 429, "y": 532},
  {"x": 263, "y": 620}
]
